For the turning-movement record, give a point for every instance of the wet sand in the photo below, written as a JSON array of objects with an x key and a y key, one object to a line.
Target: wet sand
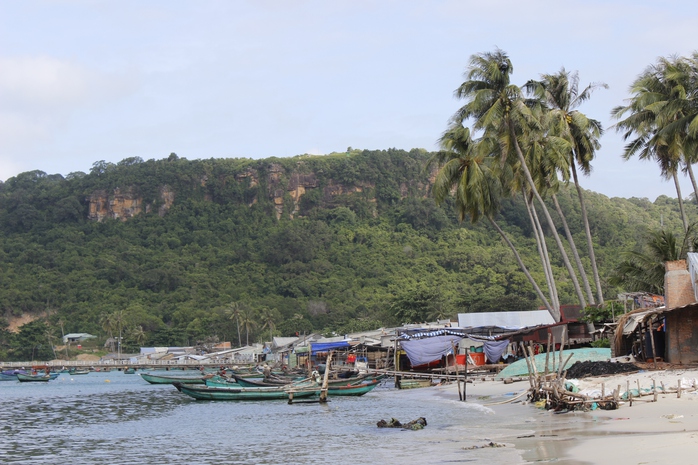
[{"x": 644, "y": 433}]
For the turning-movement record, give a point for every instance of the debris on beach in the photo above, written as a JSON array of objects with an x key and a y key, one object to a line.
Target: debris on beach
[
  {"x": 595, "y": 368},
  {"x": 413, "y": 425},
  {"x": 490, "y": 444}
]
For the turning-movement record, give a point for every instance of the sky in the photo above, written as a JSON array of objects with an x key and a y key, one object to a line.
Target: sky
[{"x": 85, "y": 81}]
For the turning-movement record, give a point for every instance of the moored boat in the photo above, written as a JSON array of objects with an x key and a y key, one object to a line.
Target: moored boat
[
  {"x": 79, "y": 372},
  {"x": 156, "y": 379},
  {"x": 413, "y": 383},
  {"x": 352, "y": 389},
  {"x": 259, "y": 393},
  {"x": 22, "y": 378}
]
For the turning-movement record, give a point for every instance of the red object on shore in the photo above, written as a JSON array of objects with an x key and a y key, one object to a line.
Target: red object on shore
[{"x": 478, "y": 357}]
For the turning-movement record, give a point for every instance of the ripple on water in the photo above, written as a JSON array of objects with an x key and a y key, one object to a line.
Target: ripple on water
[{"x": 127, "y": 421}]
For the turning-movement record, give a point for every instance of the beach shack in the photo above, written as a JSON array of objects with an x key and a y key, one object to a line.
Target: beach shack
[{"x": 669, "y": 332}]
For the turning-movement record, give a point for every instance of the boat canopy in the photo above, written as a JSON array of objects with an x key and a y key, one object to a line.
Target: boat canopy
[{"x": 327, "y": 346}]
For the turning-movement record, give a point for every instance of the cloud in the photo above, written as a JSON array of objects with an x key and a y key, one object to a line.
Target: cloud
[{"x": 40, "y": 94}]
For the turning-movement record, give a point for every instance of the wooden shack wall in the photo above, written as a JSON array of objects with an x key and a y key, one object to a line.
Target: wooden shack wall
[{"x": 681, "y": 338}]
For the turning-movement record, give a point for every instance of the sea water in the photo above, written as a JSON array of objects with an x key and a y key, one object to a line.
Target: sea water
[{"x": 118, "y": 418}]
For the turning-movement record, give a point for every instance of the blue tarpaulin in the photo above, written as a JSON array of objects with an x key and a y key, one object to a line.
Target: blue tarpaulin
[{"x": 327, "y": 346}]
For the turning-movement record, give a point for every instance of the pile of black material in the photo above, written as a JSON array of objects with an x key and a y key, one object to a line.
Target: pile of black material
[
  {"x": 419, "y": 423},
  {"x": 588, "y": 368}
]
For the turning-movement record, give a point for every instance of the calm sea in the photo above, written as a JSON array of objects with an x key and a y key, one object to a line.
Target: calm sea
[{"x": 118, "y": 418}]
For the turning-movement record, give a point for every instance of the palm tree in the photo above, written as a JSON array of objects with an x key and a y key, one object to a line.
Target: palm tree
[
  {"x": 661, "y": 119},
  {"x": 138, "y": 334},
  {"x": 561, "y": 93},
  {"x": 235, "y": 311},
  {"x": 500, "y": 109},
  {"x": 644, "y": 270},
  {"x": 466, "y": 171},
  {"x": 118, "y": 321},
  {"x": 267, "y": 316},
  {"x": 248, "y": 322}
]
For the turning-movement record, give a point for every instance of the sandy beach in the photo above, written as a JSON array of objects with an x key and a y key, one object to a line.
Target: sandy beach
[{"x": 647, "y": 432}]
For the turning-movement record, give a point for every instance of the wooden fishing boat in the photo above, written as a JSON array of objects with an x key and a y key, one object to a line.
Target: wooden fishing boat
[
  {"x": 53, "y": 375},
  {"x": 220, "y": 381},
  {"x": 155, "y": 379},
  {"x": 413, "y": 383},
  {"x": 32, "y": 378},
  {"x": 8, "y": 377},
  {"x": 79, "y": 372},
  {"x": 259, "y": 393},
  {"x": 130, "y": 371},
  {"x": 352, "y": 389}
]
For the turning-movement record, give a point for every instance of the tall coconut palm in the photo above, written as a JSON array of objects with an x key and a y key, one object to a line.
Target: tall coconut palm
[
  {"x": 235, "y": 311},
  {"x": 267, "y": 315},
  {"x": 248, "y": 322},
  {"x": 656, "y": 121},
  {"x": 499, "y": 108},
  {"x": 561, "y": 93},
  {"x": 465, "y": 170}
]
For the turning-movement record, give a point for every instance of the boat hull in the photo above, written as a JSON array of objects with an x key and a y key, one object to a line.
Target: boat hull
[
  {"x": 32, "y": 378},
  {"x": 155, "y": 379},
  {"x": 352, "y": 389},
  {"x": 264, "y": 393}
]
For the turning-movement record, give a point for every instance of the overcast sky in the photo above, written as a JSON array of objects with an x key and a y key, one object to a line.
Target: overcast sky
[{"x": 83, "y": 81}]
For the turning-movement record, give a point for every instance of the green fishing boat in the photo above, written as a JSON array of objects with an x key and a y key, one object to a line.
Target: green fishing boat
[
  {"x": 352, "y": 389},
  {"x": 32, "y": 378},
  {"x": 260, "y": 393},
  {"x": 154, "y": 379}
]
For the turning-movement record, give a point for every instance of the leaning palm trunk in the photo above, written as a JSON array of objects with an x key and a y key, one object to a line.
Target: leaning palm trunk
[
  {"x": 555, "y": 313},
  {"x": 587, "y": 232},
  {"x": 573, "y": 247},
  {"x": 548, "y": 218},
  {"x": 689, "y": 169},
  {"x": 681, "y": 207},
  {"x": 542, "y": 251}
]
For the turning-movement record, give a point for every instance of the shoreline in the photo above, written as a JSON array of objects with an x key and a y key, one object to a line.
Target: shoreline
[{"x": 647, "y": 432}]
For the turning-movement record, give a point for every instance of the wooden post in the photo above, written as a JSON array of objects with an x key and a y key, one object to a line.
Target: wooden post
[
  {"x": 455, "y": 360},
  {"x": 603, "y": 390},
  {"x": 678, "y": 391},
  {"x": 654, "y": 389},
  {"x": 395, "y": 364},
  {"x": 465, "y": 382},
  {"x": 528, "y": 364},
  {"x": 325, "y": 381},
  {"x": 630, "y": 394},
  {"x": 553, "y": 357},
  {"x": 547, "y": 355},
  {"x": 654, "y": 350}
]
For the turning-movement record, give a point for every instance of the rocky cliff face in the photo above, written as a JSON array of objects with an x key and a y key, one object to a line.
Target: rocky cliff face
[
  {"x": 284, "y": 189},
  {"x": 123, "y": 204}
]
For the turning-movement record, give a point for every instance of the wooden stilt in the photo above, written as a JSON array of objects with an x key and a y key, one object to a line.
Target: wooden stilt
[{"x": 325, "y": 381}]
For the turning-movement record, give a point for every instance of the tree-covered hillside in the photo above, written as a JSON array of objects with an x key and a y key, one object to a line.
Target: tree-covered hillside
[{"x": 175, "y": 251}]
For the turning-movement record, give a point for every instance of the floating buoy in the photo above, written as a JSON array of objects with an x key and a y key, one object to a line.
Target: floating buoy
[{"x": 107, "y": 381}]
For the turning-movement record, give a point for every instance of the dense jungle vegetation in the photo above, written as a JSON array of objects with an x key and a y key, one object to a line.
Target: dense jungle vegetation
[{"x": 367, "y": 247}]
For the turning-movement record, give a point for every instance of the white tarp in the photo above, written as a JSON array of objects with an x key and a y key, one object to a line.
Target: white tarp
[
  {"x": 506, "y": 320},
  {"x": 423, "y": 351}
]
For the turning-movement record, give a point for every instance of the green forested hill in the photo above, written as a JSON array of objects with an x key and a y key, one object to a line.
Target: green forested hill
[{"x": 342, "y": 242}]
